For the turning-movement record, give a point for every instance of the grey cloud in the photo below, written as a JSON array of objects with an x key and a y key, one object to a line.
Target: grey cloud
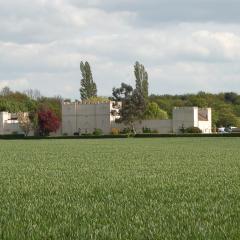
[
  {"x": 156, "y": 11},
  {"x": 42, "y": 43}
]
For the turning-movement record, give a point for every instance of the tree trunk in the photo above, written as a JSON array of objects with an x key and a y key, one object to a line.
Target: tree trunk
[{"x": 133, "y": 128}]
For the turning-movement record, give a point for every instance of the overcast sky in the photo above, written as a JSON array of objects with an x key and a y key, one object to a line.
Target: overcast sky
[{"x": 185, "y": 45}]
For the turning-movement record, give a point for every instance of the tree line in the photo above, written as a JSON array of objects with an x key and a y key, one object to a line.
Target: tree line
[
  {"x": 45, "y": 112},
  {"x": 138, "y": 105},
  {"x": 135, "y": 100},
  {"x": 225, "y": 106}
]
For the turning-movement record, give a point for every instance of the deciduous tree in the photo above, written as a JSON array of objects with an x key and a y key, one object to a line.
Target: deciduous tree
[
  {"x": 154, "y": 112},
  {"x": 47, "y": 122},
  {"x": 5, "y": 91},
  {"x": 24, "y": 122},
  {"x": 133, "y": 105},
  {"x": 33, "y": 93}
]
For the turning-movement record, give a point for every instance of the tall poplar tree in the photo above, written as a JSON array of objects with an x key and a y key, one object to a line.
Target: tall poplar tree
[
  {"x": 141, "y": 76},
  {"x": 88, "y": 86}
]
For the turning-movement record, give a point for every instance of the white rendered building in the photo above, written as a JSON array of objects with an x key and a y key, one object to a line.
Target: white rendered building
[
  {"x": 192, "y": 117},
  {"x": 81, "y": 118},
  {"x": 9, "y": 124}
]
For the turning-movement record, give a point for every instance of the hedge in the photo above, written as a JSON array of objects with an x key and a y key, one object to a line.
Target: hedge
[
  {"x": 143, "y": 135},
  {"x": 155, "y": 135},
  {"x": 13, "y": 137}
]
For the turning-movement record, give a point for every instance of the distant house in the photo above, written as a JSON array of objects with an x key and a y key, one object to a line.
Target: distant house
[
  {"x": 81, "y": 118},
  {"x": 9, "y": 123}
]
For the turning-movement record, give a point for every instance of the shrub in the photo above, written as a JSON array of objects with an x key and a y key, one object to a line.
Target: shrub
[
  {"x": 126, "y": 131},
  {"x": 97, "y": 132},
  {"x": 115, "y": 131},
  {"x": 214, "y": 129},
  {"x": 148, "y": 130},
  {"x": 193, "y": 130}
]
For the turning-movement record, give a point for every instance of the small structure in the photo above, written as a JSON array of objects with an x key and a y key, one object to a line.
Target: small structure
[
  {"x": 9, "y": 124},
  {"x": 78, "y": 117}
]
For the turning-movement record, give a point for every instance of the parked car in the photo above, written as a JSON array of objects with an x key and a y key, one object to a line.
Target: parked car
[
  {"x": 221, "y": 130},
  {"x": 229, "y": 129}
]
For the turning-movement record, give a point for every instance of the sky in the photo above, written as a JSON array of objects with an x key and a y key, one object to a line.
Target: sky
[{"x": 186, "y": 46}]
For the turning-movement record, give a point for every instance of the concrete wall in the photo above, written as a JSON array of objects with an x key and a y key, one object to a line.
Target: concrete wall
[
  {"x": 1, "y": 123},
  {"x": 192, "y": 117},
  {"x": 91, "y": 116},
  {"x": 162, "y": 126},
  {"x": 86, "y": 117},
  {"x": 184, "y": 117},
  {"x": 69, "y": 124}
]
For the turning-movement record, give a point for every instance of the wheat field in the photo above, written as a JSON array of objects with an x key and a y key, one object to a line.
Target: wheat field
[{"x": 171, "y": 188}]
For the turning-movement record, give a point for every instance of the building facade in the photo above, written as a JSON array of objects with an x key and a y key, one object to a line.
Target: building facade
[
  {"x": 86, "y": 117},
  {"x": 9, "y": 124},
  {"x": 192, "y": 117},
  {"x": 82, "y": 118}
]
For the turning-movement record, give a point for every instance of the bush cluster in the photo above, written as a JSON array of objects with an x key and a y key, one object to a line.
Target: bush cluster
[
  {"x": 115, "y": 131},
  {"x": 149, "y": 130},
  {"x": 97, "y": 132}
]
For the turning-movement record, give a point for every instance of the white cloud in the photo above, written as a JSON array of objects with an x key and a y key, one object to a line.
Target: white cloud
[
  {"x": 44, "y": 41},
  {"x": 15, "y": 84}
]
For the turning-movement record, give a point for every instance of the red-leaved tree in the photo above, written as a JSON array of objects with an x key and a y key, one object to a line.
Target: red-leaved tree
[{"x": 47, "y": 122}]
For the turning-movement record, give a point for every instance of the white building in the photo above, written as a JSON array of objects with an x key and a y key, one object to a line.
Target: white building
[
  {"x": 9, "y": 124},
  {"x": 192, "y": 117},
  {"x": 85, "y": 117}
]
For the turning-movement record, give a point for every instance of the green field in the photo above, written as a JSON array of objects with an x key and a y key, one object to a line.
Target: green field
[{"x": 171, "y": 188}]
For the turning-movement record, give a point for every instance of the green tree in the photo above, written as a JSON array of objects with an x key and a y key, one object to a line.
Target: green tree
[
  {"x": 237, "y": 110},
  {"x": 5, "y": 91},
  {"x": 197, "y": 101},
  {"x": 231, "y": 97},
  {"x": 226, "y": 118},
  {"x": 98, "y": 99},
  {"x": 88, "y": 86},
  {"x": 154, "y": 112},
  {"x": 52, "y": 103},
  {"x": 163, "y": 104},
  {"x": 141, "y": 76},
  {"x": 133, "y": 105}
]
